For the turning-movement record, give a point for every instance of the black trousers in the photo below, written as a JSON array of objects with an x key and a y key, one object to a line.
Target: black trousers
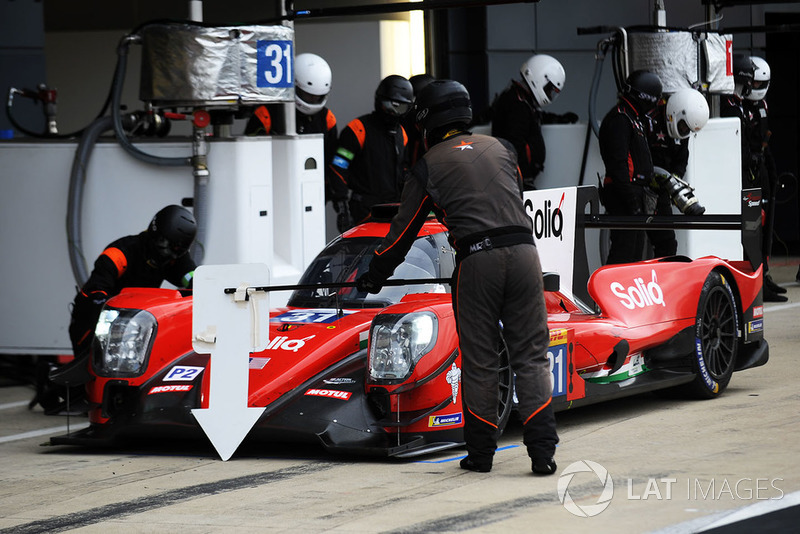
[{"x": 504, "y": 285}]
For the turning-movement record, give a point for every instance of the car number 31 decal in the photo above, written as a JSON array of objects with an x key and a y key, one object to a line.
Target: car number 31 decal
[{"x": 557, "y": 356}]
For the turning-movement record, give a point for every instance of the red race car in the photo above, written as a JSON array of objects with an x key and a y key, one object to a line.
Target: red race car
[{"x": 380, "y": 374}]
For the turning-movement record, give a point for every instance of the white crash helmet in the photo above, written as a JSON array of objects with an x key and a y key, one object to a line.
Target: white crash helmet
[
  {"x": 312, "y": 83},
  {"x": 761, "y": 74},
  {"x": 545, "y": 77},
  {"x": 687, "y": 112}
]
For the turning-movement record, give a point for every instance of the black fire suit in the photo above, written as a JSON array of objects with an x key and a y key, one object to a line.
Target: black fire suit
[
  {"x": 473, "y": 185},
  {"x": 516, "y": 119},
  {"x": 671, "y": 155},
  {"x": 370, "y": 162},
  {"x": 629, "y": 171},
  {"x": 263, "y": 122},
  {"x": 758, "y": 165},
  {"x": 127, "y": 262}
]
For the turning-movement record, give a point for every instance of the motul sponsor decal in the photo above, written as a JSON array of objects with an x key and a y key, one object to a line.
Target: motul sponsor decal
[
  {"x": 444, "y": 420},
  {"x": 640, "y": 294},
  {"x": 172, "y": 388},
  {"x": 329, "y": 393},
  {"x": 758, "y": 311}
]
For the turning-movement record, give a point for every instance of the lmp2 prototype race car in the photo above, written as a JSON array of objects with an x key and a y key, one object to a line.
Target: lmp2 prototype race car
[{"x": 380, "y": 374}]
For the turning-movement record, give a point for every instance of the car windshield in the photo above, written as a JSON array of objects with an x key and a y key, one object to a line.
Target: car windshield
[{"x": 344, "y": 260}]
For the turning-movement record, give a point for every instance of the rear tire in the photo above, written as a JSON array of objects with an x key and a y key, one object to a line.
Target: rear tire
[{"x": 716, "y": 336}]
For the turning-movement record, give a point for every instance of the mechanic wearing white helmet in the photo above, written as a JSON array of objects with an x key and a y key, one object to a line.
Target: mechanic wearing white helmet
[
  {"x": 473, "y": 184},
  {"x": 751, "y": 76},
  {"x": 312, "y": 84},
  {"x": 625, "y": 150},
  {"x": 517, "y": 114},
  {"x": 674, "y": 119}
]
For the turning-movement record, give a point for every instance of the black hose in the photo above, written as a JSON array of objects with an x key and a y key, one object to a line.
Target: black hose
[
  {"x": 77, "y": 181},
  {"x": 122, "y": 137}
]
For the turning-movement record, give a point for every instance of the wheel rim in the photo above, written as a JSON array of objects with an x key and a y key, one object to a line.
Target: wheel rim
[
  {"x": 718, "y": 333},
  {"x": 504, "y": 376}
]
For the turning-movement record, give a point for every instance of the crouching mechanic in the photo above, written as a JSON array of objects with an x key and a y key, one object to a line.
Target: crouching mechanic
[
  {"x": 144, "y": 260},
  {"x": 473, "y": 185},
  {"x": 141, "y": 260}
]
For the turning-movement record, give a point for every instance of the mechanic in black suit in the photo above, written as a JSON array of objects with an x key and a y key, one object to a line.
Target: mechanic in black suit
[
  {"x": 628, "y": 163},
  {"x": 473, "y": 184},
  {"x": 143, "y": 260},
  {"x": 751, "y": 77},
  {"x": 671, "y": 123},
  {"x": 369, "y": 164},
  {"x": 517, "y": 113}
]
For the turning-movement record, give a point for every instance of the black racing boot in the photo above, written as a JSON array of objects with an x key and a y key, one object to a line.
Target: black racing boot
[
  {"x": 772, "y": 296},
  {"x": 543, "y": 466},
  {"x": 479, "y": 467},
  {"x": 770, "y": 283}
]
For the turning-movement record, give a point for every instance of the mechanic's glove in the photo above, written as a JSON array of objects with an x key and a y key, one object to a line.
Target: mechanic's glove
[
  {"x": 365, "y": 283},
  {"x": 343, "y": 219}
]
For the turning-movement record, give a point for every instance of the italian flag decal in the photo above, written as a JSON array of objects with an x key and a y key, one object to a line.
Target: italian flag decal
[{"x": 362, "y": 339}]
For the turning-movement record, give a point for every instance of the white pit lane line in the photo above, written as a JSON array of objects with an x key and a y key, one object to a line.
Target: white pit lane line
[
  {"x": 9, "y": 405},
  {"x": 44, "y": 432}
]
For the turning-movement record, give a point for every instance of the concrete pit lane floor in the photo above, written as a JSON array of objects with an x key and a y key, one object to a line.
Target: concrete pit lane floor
[{"x": 642, "y": 464}]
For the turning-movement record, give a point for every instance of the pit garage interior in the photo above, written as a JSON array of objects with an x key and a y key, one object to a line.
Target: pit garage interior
[{"x": 72, "y": 47}]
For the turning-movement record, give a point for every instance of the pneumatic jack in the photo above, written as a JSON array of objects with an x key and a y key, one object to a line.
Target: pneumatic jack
[{"x": 680, "y": 192}]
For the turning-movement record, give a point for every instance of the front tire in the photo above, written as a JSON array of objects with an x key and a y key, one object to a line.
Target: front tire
[{"x": 716, "y": 338}]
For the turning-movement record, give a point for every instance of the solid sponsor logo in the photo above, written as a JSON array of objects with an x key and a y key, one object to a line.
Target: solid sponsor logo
[
  {"x": 183, "y": 373},
  {"x": 464, "y": 146},
  {"x": 172, "y": 388},
  {"x": 444, "y": 420},
  {"x": 284, "y": 343},
  {"x": 329, "y": 393},
  {"x": 640, "y": 294},
  {"x": 548, "y": 220},
  {"x": 758, "y": 311}
]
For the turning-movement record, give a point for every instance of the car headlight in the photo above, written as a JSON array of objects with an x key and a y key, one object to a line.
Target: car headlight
[
  {"x": 122, "y": 340},
  {"x": 397, "y": 342}
]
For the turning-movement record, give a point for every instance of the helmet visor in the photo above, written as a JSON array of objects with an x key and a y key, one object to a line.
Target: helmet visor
[
  {"x": 166, "y": 250},
  {"x": 396, "y": 108},
  {"x": 551, "y": 91},
  {"x": 308, "y": 98},
  {"x": 760, "y": 84},
  {"x": 683, "y": 129}
]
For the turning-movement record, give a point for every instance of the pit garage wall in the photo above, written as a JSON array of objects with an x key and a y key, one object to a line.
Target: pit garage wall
[
  {"x": 266, "y": 205},
  {"x": 279, "y": 176}
]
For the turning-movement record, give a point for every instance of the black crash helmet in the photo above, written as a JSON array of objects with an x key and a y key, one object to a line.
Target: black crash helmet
[
  {"x": 394, "y": 96},
  {"x": 442, "y": 103},
  {"x": 172, "y": 231}
]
